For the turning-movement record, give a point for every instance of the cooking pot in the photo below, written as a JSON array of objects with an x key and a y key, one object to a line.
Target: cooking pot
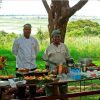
[{"x": 86, "y": 61}]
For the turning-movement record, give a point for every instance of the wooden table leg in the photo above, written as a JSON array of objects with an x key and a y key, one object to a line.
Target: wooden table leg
[{"x": 56, "y": 90}]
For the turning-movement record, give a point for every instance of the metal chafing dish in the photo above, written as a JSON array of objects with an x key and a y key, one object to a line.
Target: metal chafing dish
[
  {"x": 4, "y": 83},
  {"x": 86, "y": 61}
]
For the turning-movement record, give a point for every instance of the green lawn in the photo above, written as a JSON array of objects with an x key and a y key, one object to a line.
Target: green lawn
[{"x": 78, "y": 46}]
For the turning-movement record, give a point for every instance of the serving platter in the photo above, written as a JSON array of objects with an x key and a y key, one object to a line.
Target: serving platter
[
  {"x": 39, "y": 72},
  {"x": 6, "y": 77},
  {"x": 4, "y": 83}
]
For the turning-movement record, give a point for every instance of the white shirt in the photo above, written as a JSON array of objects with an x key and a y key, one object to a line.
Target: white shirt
[
  {"x": 56, "y": 54},
  {"x": 26, "y": 51}
]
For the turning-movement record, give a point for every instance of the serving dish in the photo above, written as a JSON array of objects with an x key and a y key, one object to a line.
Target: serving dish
[{"x": 4, "y": 83}]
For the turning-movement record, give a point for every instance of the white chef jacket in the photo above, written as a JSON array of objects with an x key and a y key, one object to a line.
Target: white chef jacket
[
  {"x": 56, "y": 55},
  {"x": 26, "y": 51}
]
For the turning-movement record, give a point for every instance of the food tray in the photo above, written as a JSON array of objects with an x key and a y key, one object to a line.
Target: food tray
[
  {"x": 36, "y": 73},
  {"x": 6, "y": 77}
]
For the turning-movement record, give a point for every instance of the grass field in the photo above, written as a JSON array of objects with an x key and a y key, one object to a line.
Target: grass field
[
  {"x": 79, "y": 47},
  {"x": 84, "y": 47}
]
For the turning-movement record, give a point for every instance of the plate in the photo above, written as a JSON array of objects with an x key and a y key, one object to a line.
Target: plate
[
  {"x": 4, "y": 83},
  {"x": 6, "y": 77}
]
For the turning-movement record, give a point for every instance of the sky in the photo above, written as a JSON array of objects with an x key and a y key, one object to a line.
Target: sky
[{"x": 35, "y": 7}]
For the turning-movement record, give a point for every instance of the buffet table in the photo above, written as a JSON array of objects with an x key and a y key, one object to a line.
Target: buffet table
[
  {"x": 82, "y": 88},
  {"x": 45, "y": 80},
  {"x": 57, "y": 95}
]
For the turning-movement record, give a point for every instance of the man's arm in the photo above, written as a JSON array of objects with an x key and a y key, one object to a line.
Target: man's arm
[
  {"x": 36, "y": 48},
  {"x": 15, "y": 47}
]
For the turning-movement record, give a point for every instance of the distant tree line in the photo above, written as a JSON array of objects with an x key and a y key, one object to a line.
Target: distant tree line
[{"x": 75, "y": 28}]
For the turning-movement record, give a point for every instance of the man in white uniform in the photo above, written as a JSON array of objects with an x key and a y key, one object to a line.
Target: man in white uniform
[
  {"x": 26, "y": 49},
  {"x": 56, "y": 52}
]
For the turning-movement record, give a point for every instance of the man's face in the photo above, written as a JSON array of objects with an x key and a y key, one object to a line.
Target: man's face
[
  {"x": 27, "y": 32},
  {"x": 56, "y": 39}
]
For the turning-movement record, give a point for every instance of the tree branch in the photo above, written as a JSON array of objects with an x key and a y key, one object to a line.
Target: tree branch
[
  {"x": 48, "y": 9},
  {"x": 65, "y": 11},
  {"x": 46, "y": 6},
  {"x": 77, "y": 7}
]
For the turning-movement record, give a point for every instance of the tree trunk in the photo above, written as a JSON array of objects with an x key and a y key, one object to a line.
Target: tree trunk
[{"x": 59, "y": 13}]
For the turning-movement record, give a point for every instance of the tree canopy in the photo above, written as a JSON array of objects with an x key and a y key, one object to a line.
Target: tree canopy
[
  {"x": 83, "y": 27},
  {"x": 59, "y": 13}
]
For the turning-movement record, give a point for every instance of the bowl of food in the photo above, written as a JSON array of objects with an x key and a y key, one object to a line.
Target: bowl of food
[
  {"x": 40, "y": 72},
  {"x": 6, "y": 77},
  {"x": 30, "y": 79},
  {"x": 2, "y": 59}
]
